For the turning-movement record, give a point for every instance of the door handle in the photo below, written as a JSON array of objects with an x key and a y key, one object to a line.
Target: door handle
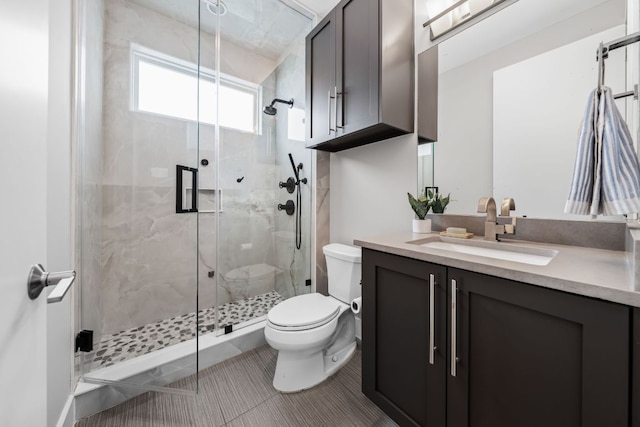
[
  {"x": 179, "y": 187},
  {"x": 432, "y": 318},
  {"x": 39, "y": 278},
  {"x": 454, "y": 327}
]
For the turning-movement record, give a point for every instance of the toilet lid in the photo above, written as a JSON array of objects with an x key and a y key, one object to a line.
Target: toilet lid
[{"x": 303, "y": 312}]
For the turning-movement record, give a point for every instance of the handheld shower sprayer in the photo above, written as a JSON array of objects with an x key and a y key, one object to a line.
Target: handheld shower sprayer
[
  {"x": 290, "y": 185},
  {"x": 296, "y": 170}
]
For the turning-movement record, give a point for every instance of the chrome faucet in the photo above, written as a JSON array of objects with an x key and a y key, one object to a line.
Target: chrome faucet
[{"x": 491, "y": 227}]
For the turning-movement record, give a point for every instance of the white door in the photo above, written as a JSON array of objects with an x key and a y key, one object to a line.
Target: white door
[{"x": 23, "y": 129}]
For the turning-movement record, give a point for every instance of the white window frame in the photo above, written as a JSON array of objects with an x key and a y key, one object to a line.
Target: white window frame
[{"x": 142, "y": 53}]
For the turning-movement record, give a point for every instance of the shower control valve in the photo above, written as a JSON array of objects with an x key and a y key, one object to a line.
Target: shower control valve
[
  {"x": 288, "y": 207},
  {"x": 290, "y": 185}
]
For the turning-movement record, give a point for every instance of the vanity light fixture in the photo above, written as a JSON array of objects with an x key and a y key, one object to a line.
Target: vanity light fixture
[{"x": 445, "y": 15}]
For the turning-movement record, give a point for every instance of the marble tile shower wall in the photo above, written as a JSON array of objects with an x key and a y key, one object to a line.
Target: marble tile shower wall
[
  {"x": 149, "y": 254},
  {"x": 290, "y": 84},
  {"x": 323, "y": 189}
]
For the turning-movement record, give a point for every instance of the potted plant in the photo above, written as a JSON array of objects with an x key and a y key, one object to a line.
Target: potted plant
[
  {"x": 437, "y": 203},
  {"x": 421, "y": 207}
]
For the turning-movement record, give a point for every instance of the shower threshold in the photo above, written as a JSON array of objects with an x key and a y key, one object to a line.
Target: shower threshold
[{"x": 163, "y": 370}]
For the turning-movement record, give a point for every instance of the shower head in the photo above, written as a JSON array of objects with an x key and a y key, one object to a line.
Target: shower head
[
  {"x": 272, "y": 111},
  {"x": 269, "y": 110}
]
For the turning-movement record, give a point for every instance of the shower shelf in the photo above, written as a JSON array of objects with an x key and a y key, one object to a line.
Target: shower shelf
[{"x": 207, "y": 200}]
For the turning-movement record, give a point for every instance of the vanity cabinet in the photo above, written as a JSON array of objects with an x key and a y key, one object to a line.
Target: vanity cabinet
[
  {"x": 506, "y": 353},
  {"x": 359, "y": 74},
  {"x": 405, "y": 312}
]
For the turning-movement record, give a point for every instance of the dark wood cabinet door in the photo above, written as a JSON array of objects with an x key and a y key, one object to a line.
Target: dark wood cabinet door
[
  {"x": 529, "y": 356},
  {"x": 635, "y": 368},
  {"x": 321, "y": 81},
  {"x": 397, "y": 373},
  {"x": 357, "y": 64}
]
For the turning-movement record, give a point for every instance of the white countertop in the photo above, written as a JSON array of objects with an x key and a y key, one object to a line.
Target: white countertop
[{"x": 597, "y": 273}]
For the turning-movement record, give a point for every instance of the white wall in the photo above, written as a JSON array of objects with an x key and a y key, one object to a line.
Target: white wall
[
  {"x": 369, "y": 186},
  {"x": 59, "y": 316}
]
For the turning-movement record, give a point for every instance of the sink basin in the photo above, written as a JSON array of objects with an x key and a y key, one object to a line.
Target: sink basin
[{"x": 505, "y": 251}]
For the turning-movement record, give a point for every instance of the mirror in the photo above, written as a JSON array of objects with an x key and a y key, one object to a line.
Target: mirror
[{"x": 512, "y": 91}]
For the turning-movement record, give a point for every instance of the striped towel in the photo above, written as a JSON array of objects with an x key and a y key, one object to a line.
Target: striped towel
[{"x": 606, "y": 176}]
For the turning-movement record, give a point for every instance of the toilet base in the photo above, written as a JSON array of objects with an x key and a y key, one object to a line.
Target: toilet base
[{"x": 297, "y": 372}]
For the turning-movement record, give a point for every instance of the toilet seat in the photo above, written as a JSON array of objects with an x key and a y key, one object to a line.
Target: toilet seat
[{"x": 303, "y": 312}]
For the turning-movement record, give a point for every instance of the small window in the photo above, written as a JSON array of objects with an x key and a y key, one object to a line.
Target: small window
[{"x": 169, "y": 86}]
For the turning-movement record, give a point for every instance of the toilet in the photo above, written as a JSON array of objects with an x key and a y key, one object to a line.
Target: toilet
[{"x": 313, "y": 333}]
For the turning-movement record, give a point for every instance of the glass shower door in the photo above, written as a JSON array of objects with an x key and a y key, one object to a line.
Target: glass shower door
[
  {"x": 263, "y": 238},
  {"x": 138, "y": 166}
]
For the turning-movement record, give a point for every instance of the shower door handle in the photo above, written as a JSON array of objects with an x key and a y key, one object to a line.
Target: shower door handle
[{"x": 181, "y": 190}]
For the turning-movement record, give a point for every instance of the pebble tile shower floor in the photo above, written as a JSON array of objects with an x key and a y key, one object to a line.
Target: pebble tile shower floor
[{"x": 134, "y": 342}]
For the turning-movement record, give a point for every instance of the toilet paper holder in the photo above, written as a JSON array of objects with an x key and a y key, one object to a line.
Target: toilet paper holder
[{"x": 356, "y": 305}]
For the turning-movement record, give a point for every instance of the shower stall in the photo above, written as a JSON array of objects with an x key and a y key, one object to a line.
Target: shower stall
[{"x": 189, "y": 129}]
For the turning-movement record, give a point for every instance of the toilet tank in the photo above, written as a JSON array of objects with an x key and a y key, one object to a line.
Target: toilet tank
[{"x": 343, "y": 271}]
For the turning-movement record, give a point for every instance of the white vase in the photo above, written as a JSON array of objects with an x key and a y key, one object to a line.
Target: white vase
[{"x": 422, "y": 226}]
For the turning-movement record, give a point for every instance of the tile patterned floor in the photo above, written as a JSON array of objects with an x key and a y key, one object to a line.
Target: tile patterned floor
[
  {"x": 134, "y": 342},
  {"x": 238, "y": 392}
]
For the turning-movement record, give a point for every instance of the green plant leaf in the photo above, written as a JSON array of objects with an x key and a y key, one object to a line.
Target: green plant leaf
[
  {"x": 421, "y": 208},
  {"x": 438, "y": 203}
]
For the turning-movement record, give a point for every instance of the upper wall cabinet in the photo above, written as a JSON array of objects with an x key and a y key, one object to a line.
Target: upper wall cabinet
[{"x": 360, "y": 74}]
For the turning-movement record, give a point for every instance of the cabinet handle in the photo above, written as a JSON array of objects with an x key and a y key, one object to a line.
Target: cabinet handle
[
  {"x": 329, "y": 111},
  {"x": 454, "y": 327},
  {"x": 335, "y": 107},
  {"x": 432, "y": 318},
  {"x": 329, "y": 98}
]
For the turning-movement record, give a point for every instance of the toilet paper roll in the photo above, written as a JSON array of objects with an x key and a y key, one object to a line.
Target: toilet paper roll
[{"x": 356, "y": 305}]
